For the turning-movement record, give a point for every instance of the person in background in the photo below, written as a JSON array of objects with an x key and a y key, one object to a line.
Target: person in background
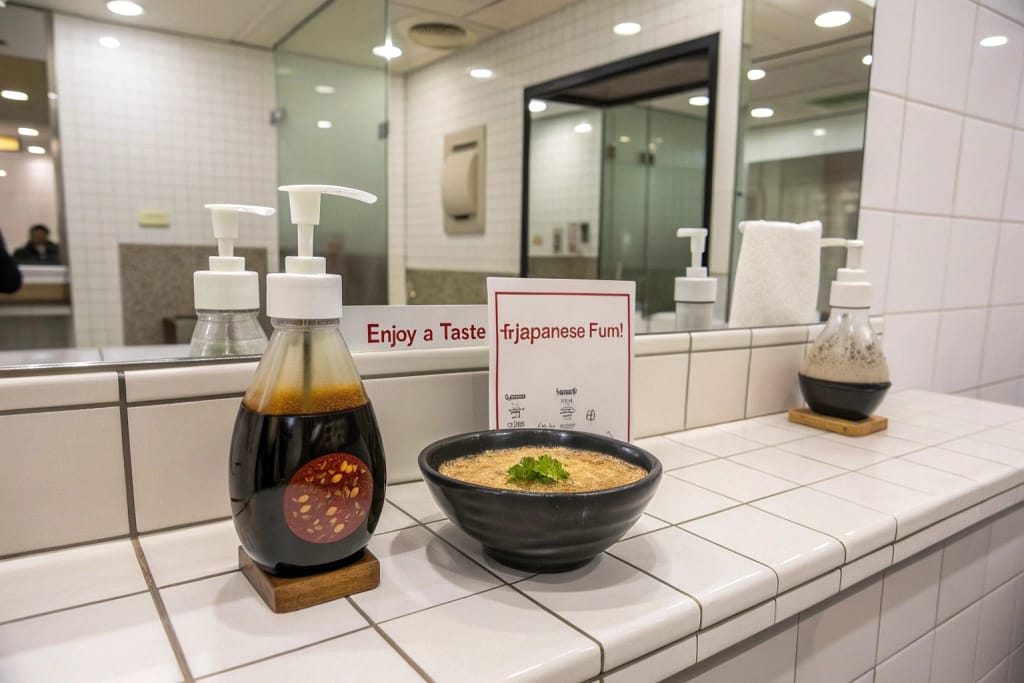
[
  {"x": 10, "y": 276},
  {"x": 39, "y": 250}
]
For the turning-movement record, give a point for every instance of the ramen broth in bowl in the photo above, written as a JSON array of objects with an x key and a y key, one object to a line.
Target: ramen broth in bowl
[{"x": 540, "y": 499}]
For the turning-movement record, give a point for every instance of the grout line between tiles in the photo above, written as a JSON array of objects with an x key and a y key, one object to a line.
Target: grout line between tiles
[
  {"x": 778, "y": 582},
  {"x": 182, "y": 527},
  {"x": 161, "y": 609},
  {"x": 126, "y": 453},
  {"x": 69, "y": 546},
  {"x": 387, "y": 639},
  {"x": 73, "y": 607},
  {"x": 58, "y": 409},
  {"x": 185, "y": 399},
  {"x": 700, "y": 606},
  {"x": 556, "y": 615}
]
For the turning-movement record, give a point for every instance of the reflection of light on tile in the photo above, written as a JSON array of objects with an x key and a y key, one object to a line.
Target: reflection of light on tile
[
  {"x": 110, "y": 42},
  {"x": 993, "y": 41},
  {"x": 324, "y": 124},
  {"x": 627, "y": 28},
  {"x": 819, "y": 132}
]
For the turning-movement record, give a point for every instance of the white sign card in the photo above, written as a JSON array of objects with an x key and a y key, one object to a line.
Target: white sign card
[
  {"x": 400, "y": 328},
  {"x": 561, "y": 354}
]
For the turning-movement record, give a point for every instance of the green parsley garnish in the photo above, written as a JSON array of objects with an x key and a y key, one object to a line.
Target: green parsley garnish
[{"x": 544, "y": 469}]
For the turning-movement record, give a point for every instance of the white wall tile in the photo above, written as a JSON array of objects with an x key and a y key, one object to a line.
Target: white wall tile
[
  {"x": 1013, "y": 206},
  {"x": 773, "y": 385},
  {"x": 890, "y": 49},
  {"x": 181, "y": 475},
  {"x": 995, "y": 629},
  {"x": 836, "y": 640},
  {"x": 76, "y": 453},
  {"x": 998, "y": 673},
  {"x": 875, "y": 229},
  {"x": 958, "y": 355},
  {"x": 953, "y": 654},
  {"x": 909, "y": 347},
  {"x": 192, "y": 553},
  {"x": 969, "y": 263},
  {"x": 21, "y": 393},
  {"x": 912, "y": 663},
  {"x": 659, "y": 394},
  {"x": 769, "y": 659},
  {"x": 209, "y": 379},
  {"x": 803, "y": 597},
  {"x": 1008, "y": 280},
  {"x": 963, "y": 572},
  {"x": 881, "y": 157},
  {"x": 922, "y": 241},
  {"x": 928, "y": 159},
  {"x": 718, "y": 387},
  {"x": 941, "y": 51},
  {"x": 711, "y": 641},
  {"x": 1006, "y": 549},
  {"x": 1000, "y": 392},
  {"x": 909, "y": 599},
  {"x": 981, "y": 174},
  {"x": 994, "y": 68},
  {"x": 1004, "y": 342}
]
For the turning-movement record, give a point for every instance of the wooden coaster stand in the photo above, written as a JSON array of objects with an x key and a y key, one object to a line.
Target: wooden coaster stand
[
  {"x": 805, "y": 416},
  {"x": 287, "y": 595}
]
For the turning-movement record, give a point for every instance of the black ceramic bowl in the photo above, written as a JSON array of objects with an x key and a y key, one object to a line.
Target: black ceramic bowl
[
  {"x": 848, "y": 400},
  {"x": 539, "y": 532}
]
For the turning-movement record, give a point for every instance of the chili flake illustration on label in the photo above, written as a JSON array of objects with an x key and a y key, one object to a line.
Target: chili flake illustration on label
[{"x": 328, "y": 498}]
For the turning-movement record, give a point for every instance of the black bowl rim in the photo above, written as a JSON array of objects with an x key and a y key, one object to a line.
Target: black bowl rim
[
  {"x": 848, "y": 386},
  {"x": 653, "y": 474}
]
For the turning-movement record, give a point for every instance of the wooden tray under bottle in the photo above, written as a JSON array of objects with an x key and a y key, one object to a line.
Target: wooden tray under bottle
[{"x": 288, "y": 595}]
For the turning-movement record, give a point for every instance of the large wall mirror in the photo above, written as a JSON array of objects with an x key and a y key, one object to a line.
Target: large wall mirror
[{"x": 201, "y": 103}]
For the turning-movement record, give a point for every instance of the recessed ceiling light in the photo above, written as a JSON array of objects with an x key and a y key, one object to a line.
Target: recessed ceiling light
[
  {"x": 994, "y": 41},
  {"x": 537, "y": 106},
  {"x": 478, "y": 72},
  {"x": 866, "y": 60},
  {"x": 15, "y": 95},
  {"x": 324, "y": 124},
  {"x": 324, "y": 89},
  {"x": 624, "y": 139},
  {"x": 583, "y": 128},
  {"x": 832, "y": 19},
  {"x": 699, "y": 100},
  {"x": 755, "y": 74},
  {"x": 125, "y": 8},
  {"x": 762, "y": 112},
  {"x": 3, "y": 173},
  {"x": 28, "y": 132},
  {"x": 35, "y": 149},
  {"x": 819, "y": 132},
  {"x": 627, "y": 28},
  {"x": 110, "y": 41},
  {"x": 387, "y": 51}
]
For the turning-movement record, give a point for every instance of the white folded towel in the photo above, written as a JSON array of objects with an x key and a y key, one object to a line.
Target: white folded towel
[{"x": 777, "y": 274}]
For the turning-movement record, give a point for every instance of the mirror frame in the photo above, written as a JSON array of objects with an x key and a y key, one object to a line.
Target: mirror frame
[{"x": 551, "y": 89}]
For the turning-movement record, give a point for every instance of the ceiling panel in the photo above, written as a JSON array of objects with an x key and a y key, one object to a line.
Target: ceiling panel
[{"x": 509, "y": 14}]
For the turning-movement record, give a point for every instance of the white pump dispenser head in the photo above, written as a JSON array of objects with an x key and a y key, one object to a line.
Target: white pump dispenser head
[
  {"x": 305, "y": 290},
  {"x": 851, "y": 288},
  {"x": 696, "y": 287},
  {"x": 227, "y": 285}
]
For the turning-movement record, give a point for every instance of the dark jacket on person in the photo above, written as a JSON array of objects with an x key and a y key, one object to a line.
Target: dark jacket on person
[
  {"x": 10, "y": 276},
  {"x": 29, "y": 255}
]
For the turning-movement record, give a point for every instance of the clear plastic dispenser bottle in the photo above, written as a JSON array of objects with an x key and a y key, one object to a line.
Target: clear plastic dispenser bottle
[
  {"x": 845, "y": 373},
  {"x": 307, "y": 468},
  {"x": 695, "y": 293},
  {"x": 227, "y": 296}
]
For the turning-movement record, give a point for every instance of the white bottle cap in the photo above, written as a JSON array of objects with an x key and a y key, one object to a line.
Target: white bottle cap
[
  {"x": 696, "y": 287},
  {"x": 851, "y": 288},
  {"x": 305, "y": 291},
  {"x": 227, "y": 285}
]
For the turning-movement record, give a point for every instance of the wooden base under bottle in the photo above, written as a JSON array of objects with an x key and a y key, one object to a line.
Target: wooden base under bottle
[
  {"x": 288, "y": 595},
  {"x": 805, "y": 416}
]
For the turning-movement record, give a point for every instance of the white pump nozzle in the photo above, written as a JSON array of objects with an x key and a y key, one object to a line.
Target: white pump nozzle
[
  {"x": 698, "y": 238},
  {"x": 305, "y": 290},
  {"x": 227, "y": 285},
  {"x": 851, "y": 288}
]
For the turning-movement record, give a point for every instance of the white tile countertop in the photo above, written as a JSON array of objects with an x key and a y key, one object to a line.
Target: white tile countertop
[{"x": 754, "y": 522}]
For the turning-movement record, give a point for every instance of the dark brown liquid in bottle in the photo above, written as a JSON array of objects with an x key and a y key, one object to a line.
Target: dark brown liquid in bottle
[{"x": 307, "y": 489}]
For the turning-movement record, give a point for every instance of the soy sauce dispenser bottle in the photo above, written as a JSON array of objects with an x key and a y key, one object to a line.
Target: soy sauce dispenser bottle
[
  {"x": 307, "y": 472},
  {"x": 227, "y": 296}
]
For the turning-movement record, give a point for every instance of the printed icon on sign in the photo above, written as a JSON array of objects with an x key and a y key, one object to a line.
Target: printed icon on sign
[
  {"x": 567, "y": 412},
  {"x": 591, "y": 415},
  {"x": 516, "y": 411}
]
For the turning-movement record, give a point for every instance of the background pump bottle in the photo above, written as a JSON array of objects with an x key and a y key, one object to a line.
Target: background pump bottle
[
  {"x": 227, "y": 296},
  {"x": 306, "y": 472},
  {"x": 695, "y": 293}
]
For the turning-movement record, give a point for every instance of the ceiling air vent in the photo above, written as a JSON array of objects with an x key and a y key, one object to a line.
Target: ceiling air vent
[{"x": 438, "y": 34}]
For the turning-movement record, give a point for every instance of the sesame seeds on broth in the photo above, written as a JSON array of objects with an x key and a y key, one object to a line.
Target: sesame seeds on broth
[{"x": 588, "y": 470}]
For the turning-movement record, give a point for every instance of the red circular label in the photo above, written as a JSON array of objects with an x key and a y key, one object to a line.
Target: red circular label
[{"x": 328, "y": 498}]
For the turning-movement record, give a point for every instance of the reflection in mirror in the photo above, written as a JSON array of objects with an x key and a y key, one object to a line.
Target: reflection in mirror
[
  {"x": 804, "y": 104},
  {"x": 618, "y": 158}
]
